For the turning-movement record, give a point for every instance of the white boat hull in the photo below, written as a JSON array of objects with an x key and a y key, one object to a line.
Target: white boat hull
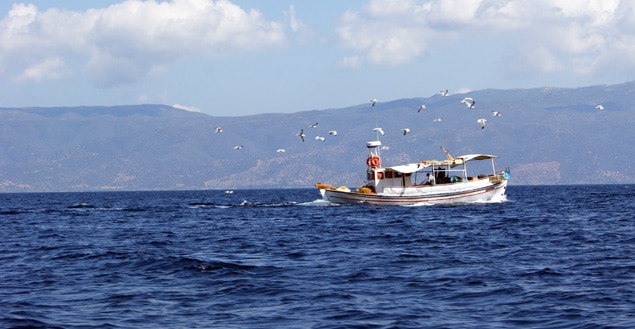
[{"x": 457, "y": 193}]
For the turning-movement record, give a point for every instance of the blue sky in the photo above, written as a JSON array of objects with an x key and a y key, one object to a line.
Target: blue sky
[{"x": 242, "y": 57}]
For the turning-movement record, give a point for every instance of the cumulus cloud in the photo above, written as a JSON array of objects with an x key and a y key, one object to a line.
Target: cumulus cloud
[
  {"x": 385, "y": 39},
  {"x": 546, "y": 35},
  {"x": 130, "y": 40},
  {"x": 48, "y": 69}
]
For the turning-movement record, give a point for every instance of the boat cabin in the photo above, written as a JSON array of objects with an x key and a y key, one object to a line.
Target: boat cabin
[{"x": 450, "y": 171}]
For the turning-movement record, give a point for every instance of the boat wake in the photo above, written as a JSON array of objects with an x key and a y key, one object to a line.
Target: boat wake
[
  {"x": 318, "y": 202},
  {"x": 499, "y": 199},
  {"x": 419, "y": 204},
  {"x": 246, "y": 203}
]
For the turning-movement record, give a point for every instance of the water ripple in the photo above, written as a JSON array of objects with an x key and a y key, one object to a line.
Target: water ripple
[{"x": 547, "y": 258}]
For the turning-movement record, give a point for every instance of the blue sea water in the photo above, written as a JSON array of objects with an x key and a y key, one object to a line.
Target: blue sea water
[{"x": 548, "y": 257}]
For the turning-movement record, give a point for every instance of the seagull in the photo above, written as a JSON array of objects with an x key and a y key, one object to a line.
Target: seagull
[
  {"x": 379, "y": 130},
  {"x": 444, "y": 92},
  {"x": 421, "y": 107},
  {"x": 319, "y": 138},
  {"x": 301, "y": 134},
  {"x": 238, "y": 147},
  {"x": 385, "y": 148},
  {"x": 313, "y": 125},
  {"x": 496, "y": 114},
  {"x": 218, "y": 130},
  {"x": 281, "y": 150},
  {"x": 600, "y": 107},
  {"x": 405, "y": 131},
  {"x": 373, "y": 101},
  {"x": 333, "y": 132},
  {"x": 438, "y": 119},
  {"x": 469, "y": 102},
  {"x": 482, "y": 122}
]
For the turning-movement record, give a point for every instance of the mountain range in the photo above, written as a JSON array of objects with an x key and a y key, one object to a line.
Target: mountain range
[{"x": 544, "y": 135}]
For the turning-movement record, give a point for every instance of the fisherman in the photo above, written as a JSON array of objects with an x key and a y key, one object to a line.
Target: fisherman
[
  {"x": 430, "y": 180},
  {"x": 440, "y": 175}
]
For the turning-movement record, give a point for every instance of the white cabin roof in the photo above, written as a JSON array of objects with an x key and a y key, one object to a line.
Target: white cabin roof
[
  {"x": 408, "y": 168},
  {"x": 413, "y": 167},
  {"x": 470, "y": 157}
]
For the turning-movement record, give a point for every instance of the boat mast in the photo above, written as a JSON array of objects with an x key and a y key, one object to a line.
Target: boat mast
[
  {"x": 374, "y": 157},
  {"x": 373, "y": 161}
]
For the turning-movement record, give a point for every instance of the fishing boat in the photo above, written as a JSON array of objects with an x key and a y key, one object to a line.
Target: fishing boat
[{"x": 425, "y": 182}]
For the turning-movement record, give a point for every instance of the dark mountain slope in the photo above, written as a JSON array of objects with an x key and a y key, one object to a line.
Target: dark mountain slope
[{"x": 545, "y": 135}]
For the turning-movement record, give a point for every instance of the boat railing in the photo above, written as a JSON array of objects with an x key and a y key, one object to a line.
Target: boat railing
[{"x": 497, "y": 178}]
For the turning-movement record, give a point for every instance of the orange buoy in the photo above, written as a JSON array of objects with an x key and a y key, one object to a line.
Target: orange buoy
[{"x": 373, "y": 161}]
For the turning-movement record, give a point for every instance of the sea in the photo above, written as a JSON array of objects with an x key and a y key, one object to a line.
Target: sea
[{"x": 547, "y": 257}]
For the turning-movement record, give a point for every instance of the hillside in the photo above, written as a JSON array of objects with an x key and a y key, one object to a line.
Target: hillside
[{"x": 545, "y": 136}]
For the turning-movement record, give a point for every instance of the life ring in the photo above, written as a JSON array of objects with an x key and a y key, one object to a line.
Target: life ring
[{"x": 373, "y": 161}]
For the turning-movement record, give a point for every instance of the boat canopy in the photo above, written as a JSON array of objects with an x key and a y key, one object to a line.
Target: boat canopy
[
  {"x": 408, "y": 168},
  {"x": 470, "y": 157},
  {"x": 460, "y": 160}
]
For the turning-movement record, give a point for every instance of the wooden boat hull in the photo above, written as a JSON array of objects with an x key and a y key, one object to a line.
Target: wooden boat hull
[{"x": 458, "y": 193}]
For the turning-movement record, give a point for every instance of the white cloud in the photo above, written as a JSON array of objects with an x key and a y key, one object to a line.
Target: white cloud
[
  {"x": 386, "y": 41},
  {"x": 294, "y": 22},
  {"x": 186, "y": 108},
  {"x": 130, "y": 40},
  {"x": 547, "y": 35},
  {"x": 302, "y": 33},
  {"x": 48, "y": 69},
  {"x": 351, "y": 62}
]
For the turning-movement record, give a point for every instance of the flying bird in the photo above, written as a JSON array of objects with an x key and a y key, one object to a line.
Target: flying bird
[
  {"x": 385, "y": 148},
  {"x": 421, "y": 107},
  {"x": 444, "y": 92},
  {"x": 333, "y": 132},
  {"x": 469, "y": 102},
  {"x": 281, "y": 150},
  {"x": 379, "y": 130},
  {"x": 496, "y": 114},
  {"x": 238, "y": 147},
  {"x": 405, "y": 131},
  {"x": 438, "y": 119},
  {"x": 600, "y": 107},
  {"x": 218, "y": 130},
  {"x": 482, "y": 122},
  {"x": 373, "y": 101},
  {"x": 301, "y": 134},
  {"x": 313, "y": 125},
  {"x": 320, "y": 138}
]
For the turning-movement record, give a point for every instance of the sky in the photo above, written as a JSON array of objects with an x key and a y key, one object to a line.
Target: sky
[{"x": 244, "y": 57}]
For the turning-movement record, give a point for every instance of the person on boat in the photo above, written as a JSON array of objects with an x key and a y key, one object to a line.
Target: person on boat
[
  {"x": 440, "y": 175},
  {"x": 431, "y": 180}
]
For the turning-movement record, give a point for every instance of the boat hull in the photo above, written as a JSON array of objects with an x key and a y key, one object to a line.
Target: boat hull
[{"x": 451, "y": 194}]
